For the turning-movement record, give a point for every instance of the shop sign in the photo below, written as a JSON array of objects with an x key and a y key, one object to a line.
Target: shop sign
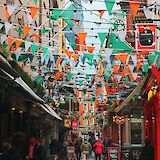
[
  {"x": 113, "y": 153},
  {"x": 67, "y": 123},
  {"x": 75, "y": 124},
  {"x": 145, "y": 37},
  {"x": 119, "y": 119}
]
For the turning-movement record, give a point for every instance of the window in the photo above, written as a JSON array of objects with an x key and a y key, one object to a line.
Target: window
[
  {"x": 92, "y": 108},
  {"x": 136, "y": 132},
  {"x": 92, "y": 121},
  {"x": 85, "y": 121}
]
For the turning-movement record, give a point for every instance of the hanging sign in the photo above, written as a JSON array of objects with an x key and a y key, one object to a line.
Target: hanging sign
[
  {"x": 67, "y": 123},
  {"x": 75, "y": 124},
  {"x": 146, "y": 37},
  {"x": 113, "y": 153},
  {"x": 119, "y": 119}
]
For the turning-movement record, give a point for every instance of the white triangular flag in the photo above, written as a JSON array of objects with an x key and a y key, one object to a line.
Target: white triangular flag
[
  {"x": 134, "y": 59},
  {"x": 8, "y": 26},
  {"x": 11, "y": 9},
  {"x": 1, "y": 25},
  {"x": 148, "y": 13},
  {"x": 122, "y": 35},
  {"x": 27, "y": 45},
  {"x": 3, "y": 37},
  {"x": 42, "y": 58},
  {"x": 18, "y": 53},
  {"x": 30, "y": 19},
  {"x": 131, "y": 67},
  {"x": 134, "y": 75}
]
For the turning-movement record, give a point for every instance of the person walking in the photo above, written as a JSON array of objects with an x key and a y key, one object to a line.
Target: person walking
[
  {"x": 98, "y": 149},
  {"x": 147, "y": 152},
  {"x": 78, "y": 148},
  {"x": 85, "y": 148}
]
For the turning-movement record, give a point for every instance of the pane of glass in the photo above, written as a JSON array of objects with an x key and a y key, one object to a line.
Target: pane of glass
[{"x": 136, "y": 133}]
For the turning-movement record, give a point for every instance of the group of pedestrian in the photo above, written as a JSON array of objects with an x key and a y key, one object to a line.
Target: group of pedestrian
[
  {"x": 17, "y": 148},
  {"x": 85, "y": 149}
]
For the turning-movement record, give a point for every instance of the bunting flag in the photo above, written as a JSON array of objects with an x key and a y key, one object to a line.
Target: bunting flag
[
  {"x": 43, "y": 30},
  {"x": 69, "y": 75},
  {"x": 34, "y": 48},
  {"x": 1, "y": 25},
  {"x": 18, "y": 43},
  {"x": 33, "y": 10},
  {"x": 90, "y": 49},
  {"x": 56, "y": 13},
  {"x": 37, "y": 37},
  {"x": 3, "y": 38},
  {"x": 82, "y": 37},
  {"x": 134, "y": 7},
  {"x": 69, "y": 53},
  {"x": 26, "y": 30},
  {"x": 8, "y": 26},
  {"x": 35, "y": 1},
  {"x": 10, "y": 40},
  {"x": 148, "y": 13},
  {"x": 27, "y": 45},
  {"x": 102, "y": 37},
  {"x": 109, "y": 5},
  {"x": 123, "y": 57},
  {"x": 75, "y": 57},
  {"x": 19, "y": 31},
  {"x": 9, "y": 9},
  {"x": 101, "y": 12},
  {"x": 152, "y": 58}
]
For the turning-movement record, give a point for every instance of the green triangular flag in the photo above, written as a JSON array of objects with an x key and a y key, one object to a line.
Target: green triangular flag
[
  {"x": 89, "y": 56},
  {"x": 109, "y": 5},
  {"x": 18, "y": 31},
  {"x": 116, "y": 43},
  {"x": 35, "y": 1},
  {"x": 102, "y": 36},
  {"x": 45, "y": 30},
  {"x": 80, "y": 82},
  {"x": 126, "y": 79},
  {"x": 34, "y": 48},
  {"x": 69, "y": 75},
  {"x": 56, "y": 13},
  {"x": 73, "y": 45},
  {"x": 100, "y": 56},
  {"x": 106, "y": 78},
  {"x": 157, "y": 52},
  {"x": 145, "y": 67},
  {"x": 45, "y": 50},
  {"x": 152, "y": 58}
]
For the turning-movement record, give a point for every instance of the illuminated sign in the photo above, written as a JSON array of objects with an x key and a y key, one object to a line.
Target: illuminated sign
[{"x": 146, "y": 37}]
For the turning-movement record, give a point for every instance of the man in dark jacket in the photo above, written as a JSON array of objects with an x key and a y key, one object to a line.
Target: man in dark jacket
[
  {"x": 147, "y": 152},
  {"x": 78, "y": 148}
]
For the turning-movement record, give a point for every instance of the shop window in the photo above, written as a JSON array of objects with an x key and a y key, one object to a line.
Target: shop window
[{"x": 136, "y": 132}]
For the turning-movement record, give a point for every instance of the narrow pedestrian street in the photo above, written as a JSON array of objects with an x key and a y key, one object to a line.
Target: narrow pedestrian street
[{"x": 79, "y": 79}]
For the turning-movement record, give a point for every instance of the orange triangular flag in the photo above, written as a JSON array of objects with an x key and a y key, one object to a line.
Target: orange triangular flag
[
  {"x": 123, "y": 58},
  {"x": 18, "y": 43},
  {"x": 6, "y": 12},
  {"x": 152, "y": 27},
  {"x": 83, "y": 48},
  {"x": 33, "y": 11},
  {"x": 37, "y": 37},
  {"x": 57, "y": 76},
  {"x": 101, "y": 13},
  {"x": 26, "y": 30},
  {"x": 59, "y": 60},
  {"x": 116, "y": 57},
  {"x": 138, "y": 66},
  {"x": 134, "y": 7},
  {"x": 75, "y": 57},
  {"x": 10, "y": 40},
  {"x": 90, "y": 49},
  {"x": 82, "y": 36},
  {"x": 69, "y": 53},
  {"x": 116, "y": 68}
]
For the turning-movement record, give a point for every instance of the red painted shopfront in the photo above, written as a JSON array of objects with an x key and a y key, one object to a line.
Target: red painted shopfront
[{"x": 152, "y": 116}]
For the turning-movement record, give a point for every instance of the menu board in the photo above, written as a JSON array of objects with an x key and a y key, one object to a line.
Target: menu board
[{"x": 113, "y": 153}]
